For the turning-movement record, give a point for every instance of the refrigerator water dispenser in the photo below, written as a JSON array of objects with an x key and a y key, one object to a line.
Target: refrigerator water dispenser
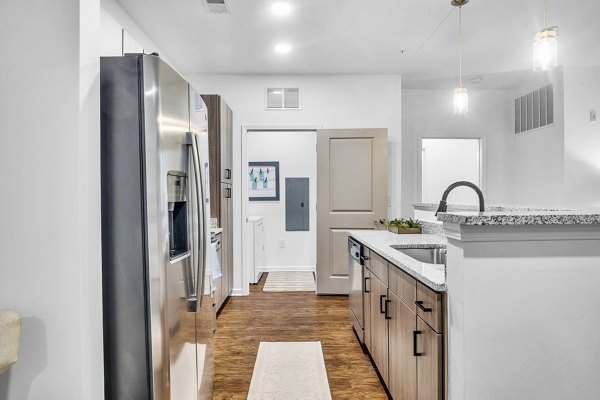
[{"x": 178, "y": 214}]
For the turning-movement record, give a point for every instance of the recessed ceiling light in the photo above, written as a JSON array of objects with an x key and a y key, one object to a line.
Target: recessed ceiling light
[
  {"x": 281, "y": 9},
  {"x": 283, "y": 48}
]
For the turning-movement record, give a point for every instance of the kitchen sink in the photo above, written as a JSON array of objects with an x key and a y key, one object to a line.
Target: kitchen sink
[{"x": 427, "y": 255}]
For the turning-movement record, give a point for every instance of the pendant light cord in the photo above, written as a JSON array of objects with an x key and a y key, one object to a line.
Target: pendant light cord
[
  {"x": 545, "y": 13},
  {"x": 460, "y": 46}
]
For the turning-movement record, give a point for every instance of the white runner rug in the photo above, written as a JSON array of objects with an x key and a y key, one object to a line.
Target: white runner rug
[
  {"x": 289, "y": 371},
  {"x": 290, "y": 281}
]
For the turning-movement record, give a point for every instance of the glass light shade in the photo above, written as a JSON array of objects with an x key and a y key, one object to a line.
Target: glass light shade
[
  {"x": 461, "y": 100},
  {"x": 545, "y": 50}
]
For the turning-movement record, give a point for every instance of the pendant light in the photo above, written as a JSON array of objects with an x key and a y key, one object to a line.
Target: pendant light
[
  {"x": 545, "y": 46},
  {"x": 461, "y": 96}
]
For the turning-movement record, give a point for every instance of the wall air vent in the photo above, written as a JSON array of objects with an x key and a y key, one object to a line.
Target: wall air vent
[
  {"x": 534, "y": 110},
  {"x": 282, "y": 98},
  {"x": 217, "y": 6}
]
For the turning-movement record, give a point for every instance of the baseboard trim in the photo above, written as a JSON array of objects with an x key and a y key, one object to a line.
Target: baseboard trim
[
  {"x": 294, "y": 268},
  {"x": 236, "y": 292}
]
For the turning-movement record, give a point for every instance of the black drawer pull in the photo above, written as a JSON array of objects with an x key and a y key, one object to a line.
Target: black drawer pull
[
  {"x": 381, "y": 297},
  {"x": 415, "y": 353},
  {"x": 367, "y": 279},
  {"x": 419, "y": 304},
  {"x": 387, "y": 303}
]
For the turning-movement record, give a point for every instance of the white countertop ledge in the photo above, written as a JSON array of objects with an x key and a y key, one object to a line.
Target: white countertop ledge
[
  {"x": 521, "y": 218},
  {"x": 432, "y": 275}
]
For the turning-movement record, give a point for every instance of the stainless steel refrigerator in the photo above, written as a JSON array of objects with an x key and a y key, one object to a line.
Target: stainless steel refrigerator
[{"x": 159, "y": 317}]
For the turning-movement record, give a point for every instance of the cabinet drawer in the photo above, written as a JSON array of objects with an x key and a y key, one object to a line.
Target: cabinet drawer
[
  {"x": 378, "y": 266},
  {"x": 430, "y": 307},
  {"x": 403, "y": 285}
]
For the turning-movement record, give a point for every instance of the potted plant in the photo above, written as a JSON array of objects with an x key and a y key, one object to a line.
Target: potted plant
[
  {"x": 381, "y": 224},
  {"x": 405, "y": 226}
]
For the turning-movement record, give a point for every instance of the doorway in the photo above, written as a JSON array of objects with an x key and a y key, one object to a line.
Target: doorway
[
  {"x": 280, "y": 203},
  {"x": 447, "y": 160}
]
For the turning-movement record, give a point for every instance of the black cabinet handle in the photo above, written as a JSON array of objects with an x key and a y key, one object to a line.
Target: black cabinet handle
[
  {"x": 415, "y": 352},
  {"x": 228, "y": 193},
  {"x": 381, "y": 297},
  {"x": 227, "y": 173},
  {"x": 301, "y": 204},
  {"x": 367, "y": 279},
  {"x": 363, "y": 259},
  {"x": 387, "y": 316},
  {"x": 419, "y": 304}
]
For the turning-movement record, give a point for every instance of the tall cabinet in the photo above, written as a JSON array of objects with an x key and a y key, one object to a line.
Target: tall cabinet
[{"x": 220, "y": 141}]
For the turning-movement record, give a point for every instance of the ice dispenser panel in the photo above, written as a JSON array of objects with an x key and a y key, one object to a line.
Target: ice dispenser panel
[{"x": 178, "y": 214}]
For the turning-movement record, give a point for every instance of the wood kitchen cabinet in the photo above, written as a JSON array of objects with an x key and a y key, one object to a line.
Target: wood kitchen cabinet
[
  {"x": 379, "y": 327},
  {"x": 367, "y": 306},
  {"x": 403, "y": 363},
  {"x": 227, "y": 238},
  {"x": 429, "y": 365},
  {"x": 220, "y": 141},
  {"x": 404, "y": 331}
]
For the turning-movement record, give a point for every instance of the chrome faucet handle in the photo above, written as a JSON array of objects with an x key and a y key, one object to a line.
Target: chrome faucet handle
[{"x": 442, "y": 207}]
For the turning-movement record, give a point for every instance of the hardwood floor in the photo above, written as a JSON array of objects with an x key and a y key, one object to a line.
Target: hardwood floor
[{"x": 291, "y": 316}]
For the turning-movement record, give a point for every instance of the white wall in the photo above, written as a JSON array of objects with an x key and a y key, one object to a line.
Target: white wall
[
  {"x": 511, "y": 333},
  {"x": 113, "y": 19},
  {"x": 49, "y": 208},
  {"x": 536, "y": 157},
  {"x": 329, "y": 101},
  {"x": 524, "y": 169},
  {"x": 428, "y": 113},
  {"x": 582, "y": 137},
  {"x": 297, "y": 156}
]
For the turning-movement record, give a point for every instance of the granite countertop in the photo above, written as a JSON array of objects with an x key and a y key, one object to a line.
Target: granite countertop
[
  {"x": 475, "y": 207},
  {"x": 522, "y": 218},
  {"x": 432, "y": 275}
]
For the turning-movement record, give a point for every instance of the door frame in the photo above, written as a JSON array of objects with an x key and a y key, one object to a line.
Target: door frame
[
  {"x": 482, "y": 161},
  {"x": 243, "y": 192}
]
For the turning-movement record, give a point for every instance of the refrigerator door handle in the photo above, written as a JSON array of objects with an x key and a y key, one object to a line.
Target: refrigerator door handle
[{"x": 192, "y": 141}]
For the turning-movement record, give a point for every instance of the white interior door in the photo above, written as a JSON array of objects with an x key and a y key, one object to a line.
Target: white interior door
[{"x": 351, "y": 194}]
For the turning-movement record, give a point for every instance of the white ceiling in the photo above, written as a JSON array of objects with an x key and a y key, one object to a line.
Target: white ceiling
[{"x": 367, "y": 36}]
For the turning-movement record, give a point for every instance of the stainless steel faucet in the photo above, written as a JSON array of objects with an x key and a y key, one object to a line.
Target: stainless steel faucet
[{"x": 443, "y": 205}]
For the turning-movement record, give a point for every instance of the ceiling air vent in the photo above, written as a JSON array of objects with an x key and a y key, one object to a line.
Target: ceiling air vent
[
  {"x": 534, "y": 110},
  {"x": 217, "y": 6},
  {"x": 282, "y": 98}
]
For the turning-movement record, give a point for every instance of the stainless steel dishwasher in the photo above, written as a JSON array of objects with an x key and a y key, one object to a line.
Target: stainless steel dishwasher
[{"x": 356, "y": 261}]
